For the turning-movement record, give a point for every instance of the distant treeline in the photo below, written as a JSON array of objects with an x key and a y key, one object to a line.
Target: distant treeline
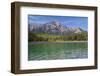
[{"x": 49, "y": 37}]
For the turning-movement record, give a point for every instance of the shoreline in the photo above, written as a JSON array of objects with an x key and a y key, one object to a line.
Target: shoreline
[{"x": 47, "y": 42}]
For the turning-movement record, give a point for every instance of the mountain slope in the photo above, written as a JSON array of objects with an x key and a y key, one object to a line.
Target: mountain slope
[{"x": 54, "y": 27}]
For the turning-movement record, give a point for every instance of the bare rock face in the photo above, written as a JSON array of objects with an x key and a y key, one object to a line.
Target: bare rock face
[
  {"x": 53, "y": 27},
  {"x": 78, "y": 30}
]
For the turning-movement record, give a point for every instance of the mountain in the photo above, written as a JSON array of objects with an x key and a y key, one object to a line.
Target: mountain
[{"x": 54, "y": 27}]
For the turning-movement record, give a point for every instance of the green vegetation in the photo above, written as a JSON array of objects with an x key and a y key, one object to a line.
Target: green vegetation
[{"x": 49, "y": 37}]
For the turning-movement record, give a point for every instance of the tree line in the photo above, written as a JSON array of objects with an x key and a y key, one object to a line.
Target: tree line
[{"x": 48, "y": 37}]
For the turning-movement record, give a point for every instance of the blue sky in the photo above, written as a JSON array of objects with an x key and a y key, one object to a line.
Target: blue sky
[{"x": 70, "y": 21}]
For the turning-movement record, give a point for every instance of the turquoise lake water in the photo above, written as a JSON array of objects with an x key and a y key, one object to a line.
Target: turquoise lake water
[{"x": 53, "y": 51}]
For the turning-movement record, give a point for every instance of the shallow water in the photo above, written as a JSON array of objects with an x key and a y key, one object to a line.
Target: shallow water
[{"x": 52, "y": 51}]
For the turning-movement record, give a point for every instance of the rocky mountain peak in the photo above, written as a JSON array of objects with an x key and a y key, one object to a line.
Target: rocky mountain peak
[
  {"x": 78, "y": 30},
  {"x": 54, "y": 27}
]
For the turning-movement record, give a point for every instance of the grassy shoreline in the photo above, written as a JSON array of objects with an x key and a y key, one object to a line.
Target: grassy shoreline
[
  {"x": 40, "y": 42},
  {"x": 71, "y": 41}
]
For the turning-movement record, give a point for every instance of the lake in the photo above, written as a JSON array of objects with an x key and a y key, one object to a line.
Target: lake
[{"x": 57, "y": 50}]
